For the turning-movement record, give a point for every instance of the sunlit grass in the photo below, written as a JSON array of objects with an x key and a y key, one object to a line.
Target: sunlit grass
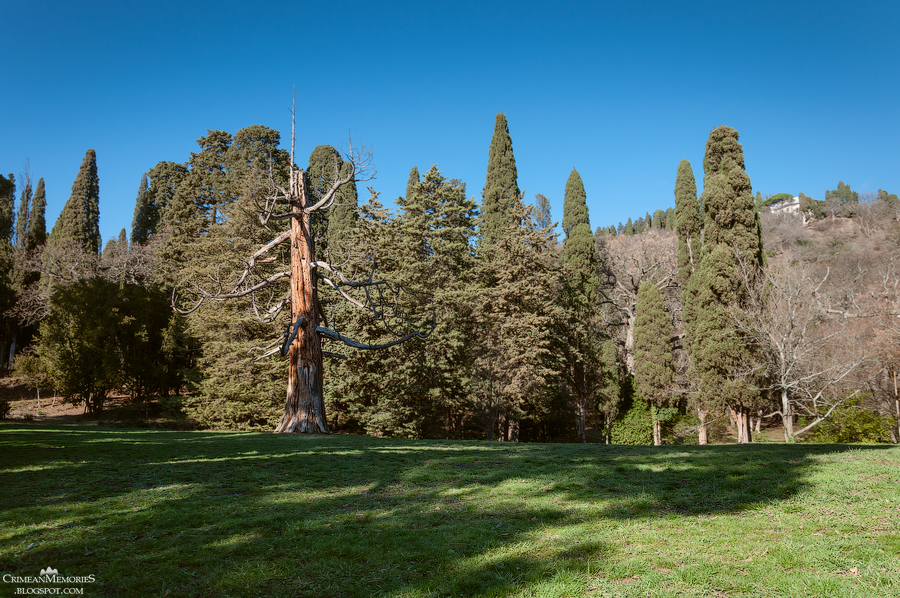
[{"x": 156, "y": 513}]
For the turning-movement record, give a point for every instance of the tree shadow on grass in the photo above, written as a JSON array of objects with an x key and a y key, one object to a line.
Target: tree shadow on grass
[{"x": 256, "y": 514}]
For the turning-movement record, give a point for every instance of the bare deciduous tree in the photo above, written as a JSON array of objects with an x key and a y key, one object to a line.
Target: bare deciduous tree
[
  {"x": 806, "y": 355},
  {"x": 632, "y": 260}
]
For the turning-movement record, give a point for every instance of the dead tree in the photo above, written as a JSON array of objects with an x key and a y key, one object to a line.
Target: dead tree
[{"x": 304, "y": 410}]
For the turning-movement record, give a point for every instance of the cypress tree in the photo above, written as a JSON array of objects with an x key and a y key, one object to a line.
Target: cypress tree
[
  {"x": 687, "y": 222},
  {"x": 37, "y": 219},
  {"x": 80, "y": 217},
  {"x": 343, "y": 213},
  {"x": 731, "y": 224},
  {"x": 654, "y": 366},
  {"x": 500, "y": 197},
  {"x": 581, "y": 350},
  {"x": 728, "y": 198},
  {"x": 22, "y": 215},
  {"x": 578, "y": 246},
  {"x": 141, "y": 223},
  {"x": 7, "y": 203}
]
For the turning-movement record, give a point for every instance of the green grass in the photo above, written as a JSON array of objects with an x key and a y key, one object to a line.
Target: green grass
[{"x": 159, "y": 513}]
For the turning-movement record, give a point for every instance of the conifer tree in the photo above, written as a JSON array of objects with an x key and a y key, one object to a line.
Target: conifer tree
[
  {"x": 578, "y": 246},
  {"x": 654, "y": 366},
  {"x": 542, "y": 215},
  {"x": 687, "y": 222},
  {"x": 37, "y": 219},
  {"x": 142, "y": 224},
  {"x": 659, "y": 219},
  {"x": 731, "y": 233},
  {"x": 7, "y": 203},
  {"x": 629, "y": 227},
  {"x": 730, "y": 214},
  {"x": 610, "y": 386},
  {"x": 581, "y": 350},
  {"x": 22, "y": 215},
  {"x": 501, "y": 197},
  {"x": 325, "y": 167},
  {"x": 419, "y": 389},
  {"x": 80, "y": 217}
]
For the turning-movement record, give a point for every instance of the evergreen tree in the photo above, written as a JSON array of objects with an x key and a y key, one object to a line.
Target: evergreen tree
[
  {"x": 542, "y": 216},
  {"x": 609, "y": 386},
  {"x": 325, "y": 167},
  {"x": 629, "y": 227},
  {"x": 7, "y": 204},
  {"x": 687, "y": 222},
  {"x": 419, "y": 389},
  {"x": 501, "y": 197},
  {"x": 659, "y": 219},
  {"x": 654, "y": 366},
  {"x": 22, "y": 215},
  {"x": 731, "y": 233},
  {"x": 581, "y": 332},
  {"x": 80, "y": 217},
  {"x": 730, "y": 214},
  {"x": 578, "y": 246},
  {"x": 163, "y": 179},
  {"x": 37, "y": 219},
  {"x": 142, "y": 223}
]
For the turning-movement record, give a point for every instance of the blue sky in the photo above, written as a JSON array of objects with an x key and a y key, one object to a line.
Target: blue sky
[{"x": 622, "y": 91}]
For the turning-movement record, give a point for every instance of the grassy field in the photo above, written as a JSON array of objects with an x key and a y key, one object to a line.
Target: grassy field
[{"x": 160, "y": 513}]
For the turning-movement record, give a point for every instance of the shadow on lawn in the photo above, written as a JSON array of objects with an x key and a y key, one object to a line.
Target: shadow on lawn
[{"x": 257, "y": 514}]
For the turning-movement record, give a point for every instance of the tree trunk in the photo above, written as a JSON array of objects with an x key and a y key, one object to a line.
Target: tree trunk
[
  {"x": 304, "y": 410},
  {"x": 896, "y": 405},
  {"x": 787, "y": 416},
  {"x": 742, "y": 421},
  {"x": 657, "y": 428},
  {"x": 702, "y": 437},
  {"x": 514, "y": 430}
]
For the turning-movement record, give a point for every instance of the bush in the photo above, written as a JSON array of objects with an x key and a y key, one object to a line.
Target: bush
[
  {"x": 852, "y": 423},
  {"x": 4, "y": 409},
  {"x": 634, "y": 425}
]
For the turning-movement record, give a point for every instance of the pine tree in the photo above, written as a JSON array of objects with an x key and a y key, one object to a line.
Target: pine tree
[
  {"x": 687, "y": 222},
  {"x": 629, "y": 227},
  {"x": 80, "y": 217},
  {"x": 654, "y": 366},
  {"x": 37, "y": 219},
  {"x": 501, "y": 197},
  {"x": 142, "y": 224}
]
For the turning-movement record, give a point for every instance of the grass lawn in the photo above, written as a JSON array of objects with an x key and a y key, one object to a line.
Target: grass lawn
[{"x": 161, "y": 513}]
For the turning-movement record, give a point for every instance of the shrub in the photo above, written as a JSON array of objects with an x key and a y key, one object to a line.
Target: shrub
[
  {"x": 634, "y": 425},
  {"x": 853, "y": 423}
]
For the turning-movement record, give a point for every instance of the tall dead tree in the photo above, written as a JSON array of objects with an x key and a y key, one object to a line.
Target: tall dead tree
[{"x": 304, "y": 410}]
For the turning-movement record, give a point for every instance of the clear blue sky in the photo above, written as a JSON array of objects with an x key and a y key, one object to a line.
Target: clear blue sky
[{"x": 622, "y": 91}]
